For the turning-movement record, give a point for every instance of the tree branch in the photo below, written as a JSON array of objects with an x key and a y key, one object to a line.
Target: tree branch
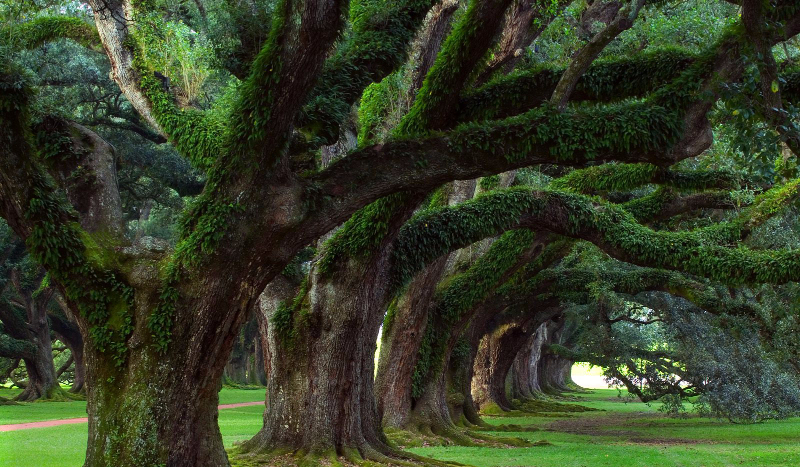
[{"x": 583, "y": 59}]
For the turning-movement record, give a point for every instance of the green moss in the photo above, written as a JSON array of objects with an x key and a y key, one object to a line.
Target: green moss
[
  {"x": 702, "y": 251},
  {"x": 460, "y": 294},
  {"x": 377, "y": 45},
  {"x": 606, "y": 80},
  {"x": 38, "y": 31},
  {"x": 289, "y": 318},
  {"x": 375, "y": 104},
  {"x": 446, "y": 76},
  {"x": 196, "y": 135},
  {"x": 362, "y": 233}
]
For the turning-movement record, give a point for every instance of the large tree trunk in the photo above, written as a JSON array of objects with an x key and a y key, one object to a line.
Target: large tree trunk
[
  {"x": 67, "y": 331},
  {"x": 400, "y": 341},
  {"x": 553, "y": 369},
  {"x": 443, "y": 388},
  {"x": 33, "y": 329},
  {"x": 524, "y": 372},
  {"x": 319, "y": 354},
  {"x": 320, "y": 398},
  {"x": 168, "y": 417},
  {"x": 42, "y": 380},
  {"x": 496, "y": 354}
]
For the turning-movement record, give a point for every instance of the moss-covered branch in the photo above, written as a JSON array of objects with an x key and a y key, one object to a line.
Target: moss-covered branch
[
  {"x": 34, "y": 33},
  {"x": 705, "y": 252},
  {"x": 461, "y": 52},
  {"x": 606, "y": 80},
  {"x": 627, "y": 177},
  {"x": 377, "y": 46}
]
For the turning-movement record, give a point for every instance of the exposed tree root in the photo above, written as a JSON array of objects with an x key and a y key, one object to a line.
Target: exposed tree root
[
  {"x": 429, "y": 436},
  {"x": 4, "y": 401},
  {"x": 366, "y": 456},
  {"x": 56, "y": 394}
]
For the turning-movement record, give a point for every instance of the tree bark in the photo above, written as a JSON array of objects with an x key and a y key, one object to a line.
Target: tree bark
[
  {"x": 496, "y": 354},
  {"x": 42, "y": 380},
  {"x": 524, "y": 374},
  {"x": 320, "y": 368},
  {"x": 30, "y": 325},
  {"x": 320, "y": 398},
  {"x": 553, "y": 369},
  {"x": 68, "y": 333},
  {"x": 404, "y": 330}
]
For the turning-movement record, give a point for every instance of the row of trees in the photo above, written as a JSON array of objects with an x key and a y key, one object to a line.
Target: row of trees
[{"x": 499, "y": 188}]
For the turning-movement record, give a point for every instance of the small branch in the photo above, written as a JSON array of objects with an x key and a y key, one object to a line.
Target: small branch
[{"x": 584, "y": 58}]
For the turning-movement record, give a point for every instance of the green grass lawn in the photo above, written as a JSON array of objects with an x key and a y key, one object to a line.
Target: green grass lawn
[
  {"x": 623, "y": 434},
  {"x": 65, "y": 446},
  {"x": 634, "y": 434},
  {"x": 37, "y": 411}
]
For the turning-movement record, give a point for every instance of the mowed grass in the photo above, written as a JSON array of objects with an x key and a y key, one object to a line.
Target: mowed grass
[
  {"x": 65, "y": 446},
  {"x": 624, "y": 433},
  {"x": 634, "y": 434},
  {"x": 37, "y": 411}
]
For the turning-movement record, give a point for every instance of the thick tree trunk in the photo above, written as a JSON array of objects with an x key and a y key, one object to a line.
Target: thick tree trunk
[
  {"x": 405, "y": 326},
  {"x": 524, "y": 372},
  {"x": 42, "y": 380},
  {"x": 553, "y": 369},
  {"x": 319, "y": 354},
  {"x": 400, "y": 342},
  {"x": 67, "y": 331},
  {"x": 496, "y": 354},
  {"x": 491, "y": 367},
  {"x": 152, "y": 414},
  {"x": 320, "y": 398},
  {"x": 34, "y": 329},
  {"x": 236, "y": 369},
  {"x": 445, "y": 389}
]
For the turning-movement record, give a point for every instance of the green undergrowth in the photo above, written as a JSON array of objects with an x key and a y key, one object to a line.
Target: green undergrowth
[{"x": 228, "y": 384}]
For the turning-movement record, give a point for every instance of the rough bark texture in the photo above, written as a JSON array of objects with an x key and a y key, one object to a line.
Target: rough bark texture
[
  {"x": 403, "y": 333},
  {"x": 524, "y": 372},
  {"x": 67, "y": 331},
  {"x": 320, "y": 396},
  {"x": 525, "y": 20},
  {"x": 25, "y": 320},
  {"x": 496, "y": 354},
  {"x": 400, "y": 341},
  {"x": 444, "y": 394},
  {"x": 554, "y": 370},
  {"x": 42, "y": 381}
]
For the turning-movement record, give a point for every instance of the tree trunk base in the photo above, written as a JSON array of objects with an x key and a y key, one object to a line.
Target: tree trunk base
[
  {"x": 366, "y": 455},
  {"x": 469, "y": 436},
  {"x": 54, "y": 394}
]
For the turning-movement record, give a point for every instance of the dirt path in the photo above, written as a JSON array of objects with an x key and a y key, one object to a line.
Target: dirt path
[
  {"x": 70, "y": 421},
  {"x": 613, "y": 425}
]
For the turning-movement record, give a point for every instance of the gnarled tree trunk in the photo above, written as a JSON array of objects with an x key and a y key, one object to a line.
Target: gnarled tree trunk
[
  {"x": 320, "y": 397},
  {"x": 524, "y": 371},
  {"x": 68, "y": 333}
]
